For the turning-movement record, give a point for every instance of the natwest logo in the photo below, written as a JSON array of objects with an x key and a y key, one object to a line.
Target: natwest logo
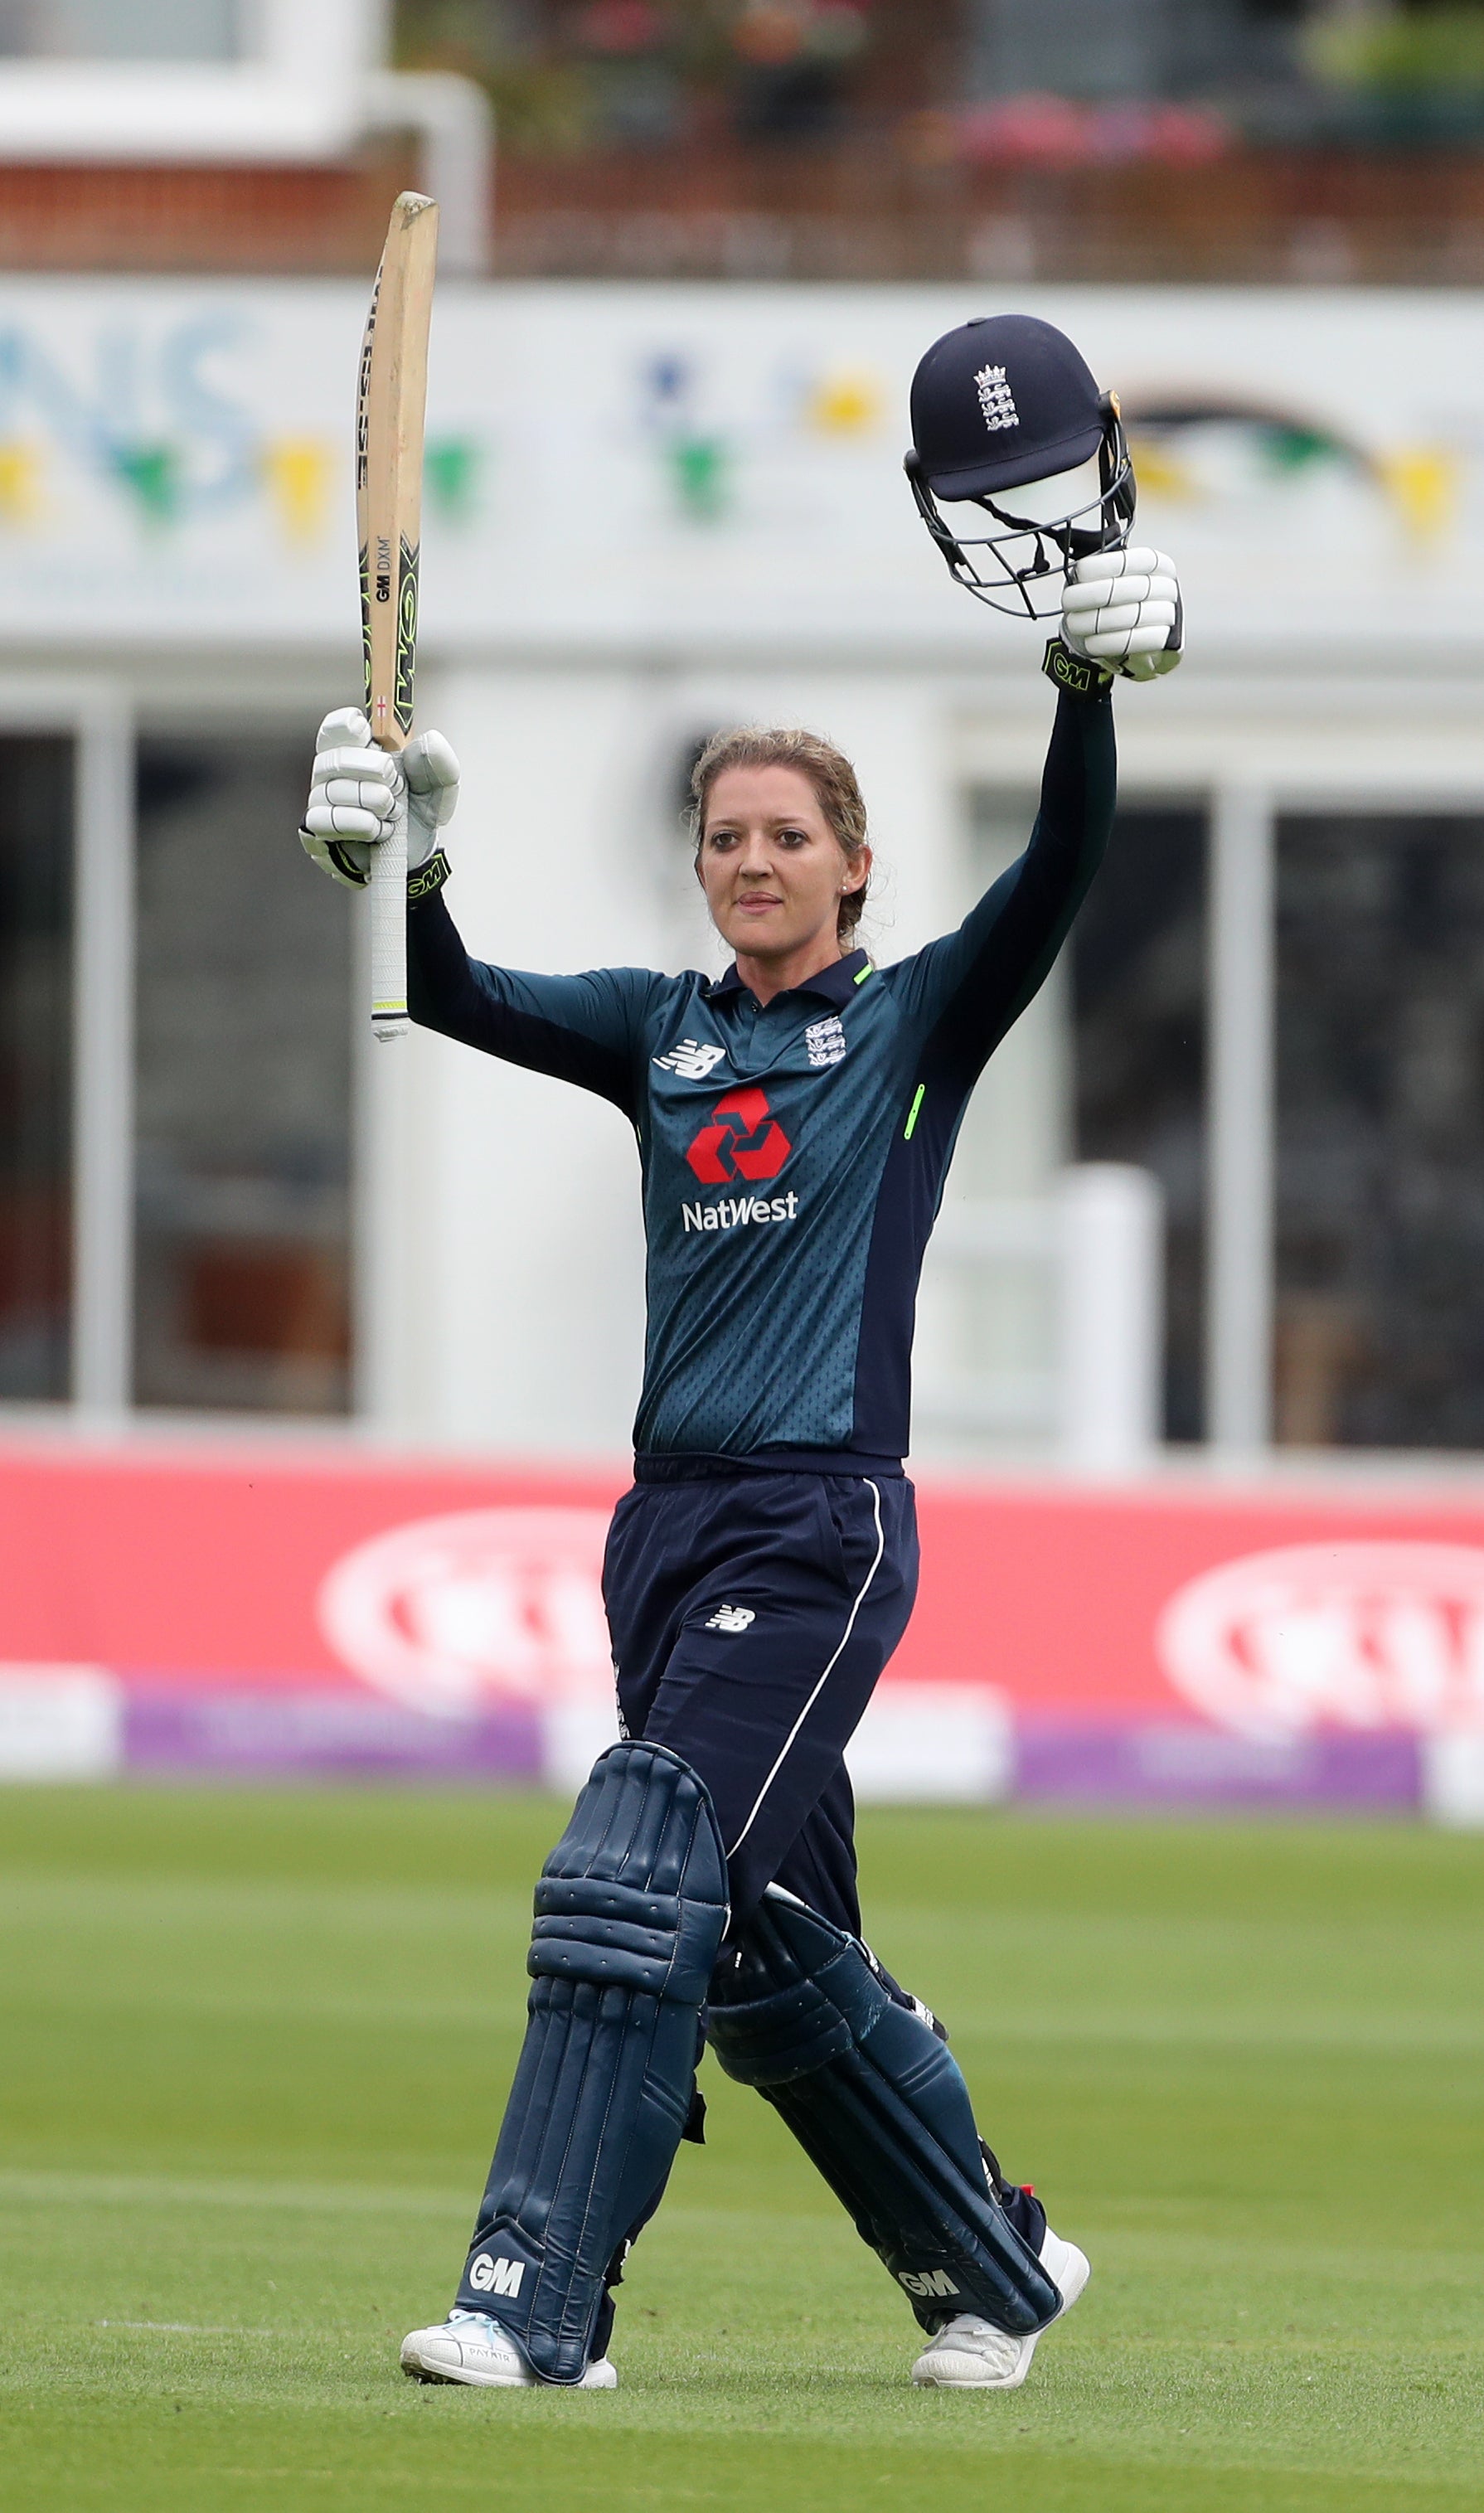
[{"x": 741, "y": 1141}]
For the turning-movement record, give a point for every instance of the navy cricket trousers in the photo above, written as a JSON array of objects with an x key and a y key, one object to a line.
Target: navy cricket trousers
[{"x": 751, "y": 1613}]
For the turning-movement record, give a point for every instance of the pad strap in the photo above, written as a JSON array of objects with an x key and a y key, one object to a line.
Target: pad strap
[
  {"x": 629, "y": 1915},
  {"x": 876, "y": 2101}
]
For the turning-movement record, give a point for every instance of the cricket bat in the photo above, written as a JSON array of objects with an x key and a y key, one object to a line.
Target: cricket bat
[{"x": 391, "y": 397}]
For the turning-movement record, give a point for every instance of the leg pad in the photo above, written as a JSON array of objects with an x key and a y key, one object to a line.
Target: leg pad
[
  {"x": 629, "y": 1915},
  {"x": 878, "y": 2103}
]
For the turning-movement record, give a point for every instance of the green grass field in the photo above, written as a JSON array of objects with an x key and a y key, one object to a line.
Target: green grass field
[{"x": 252, "y": 2054}]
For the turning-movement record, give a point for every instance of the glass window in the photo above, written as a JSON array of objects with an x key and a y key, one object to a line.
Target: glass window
[
  {"x": 1127, "y": 47},
  {"x": 35, "y": 1064},
  {"x": 1380, "y": 1329},
  {"x": 243, "y": 1112},
  {"x": 124, "y": 30},
  {"x": 1138, "y": 985}
]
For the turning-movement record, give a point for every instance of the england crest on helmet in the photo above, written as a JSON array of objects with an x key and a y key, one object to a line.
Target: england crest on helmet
[{"x": 1001, "y": 404}]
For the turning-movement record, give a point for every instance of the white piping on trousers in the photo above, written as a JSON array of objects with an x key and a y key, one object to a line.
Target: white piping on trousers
[{"x": 784, "y": 1750}]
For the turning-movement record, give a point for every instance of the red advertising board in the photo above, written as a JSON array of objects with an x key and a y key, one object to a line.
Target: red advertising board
[{"x": 450, "y": 1588}]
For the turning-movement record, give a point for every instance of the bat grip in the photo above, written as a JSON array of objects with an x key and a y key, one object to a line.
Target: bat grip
[{"x": 388, "y": 926}]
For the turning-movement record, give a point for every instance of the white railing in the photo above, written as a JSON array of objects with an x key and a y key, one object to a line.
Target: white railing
[{"x": 1097, "y": 1241}]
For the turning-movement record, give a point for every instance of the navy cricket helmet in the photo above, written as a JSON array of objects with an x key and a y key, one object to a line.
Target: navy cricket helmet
[{"x": 1004, "y": 401}]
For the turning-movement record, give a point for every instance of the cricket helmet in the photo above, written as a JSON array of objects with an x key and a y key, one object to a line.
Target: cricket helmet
[{"x": 1003, "y": 401}]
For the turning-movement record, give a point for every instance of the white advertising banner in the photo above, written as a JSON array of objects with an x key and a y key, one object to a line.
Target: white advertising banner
[{"x": 622, "y": 470}]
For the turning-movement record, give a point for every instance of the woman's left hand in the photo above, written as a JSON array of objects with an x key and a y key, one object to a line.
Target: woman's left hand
[
  {"x": 1123, "y": 608},
  {"x": 355, "y": 789}
]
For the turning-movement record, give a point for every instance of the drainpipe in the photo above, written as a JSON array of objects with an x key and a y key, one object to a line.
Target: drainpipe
[{"x": 453, "y": 119}]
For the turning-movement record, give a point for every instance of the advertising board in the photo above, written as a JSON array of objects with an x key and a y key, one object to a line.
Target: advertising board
[{"x": 263, "y": 1609}]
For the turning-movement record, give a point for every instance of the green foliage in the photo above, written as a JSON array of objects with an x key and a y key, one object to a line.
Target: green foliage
[
  {"x": 552, "y": 95},
  {"x": 636, "y": 71},
  {"x": 254, "y": 2047},
  {"x": 1424, "y": 53}
]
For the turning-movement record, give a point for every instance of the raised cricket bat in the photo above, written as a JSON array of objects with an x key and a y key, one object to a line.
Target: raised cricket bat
[{"x": 391, "y": 398}]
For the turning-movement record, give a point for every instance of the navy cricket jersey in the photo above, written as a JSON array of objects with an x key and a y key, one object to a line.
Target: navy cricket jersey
[{"x": 793, "y": 1154}]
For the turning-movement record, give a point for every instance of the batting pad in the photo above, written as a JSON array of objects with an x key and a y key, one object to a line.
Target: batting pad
[
  {"x": 878, "y": 2103},
  {"x": 629, "y": 1915}
]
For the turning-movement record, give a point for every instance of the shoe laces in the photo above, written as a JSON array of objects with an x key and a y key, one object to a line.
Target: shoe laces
[{"x": 979, "y": 2337}]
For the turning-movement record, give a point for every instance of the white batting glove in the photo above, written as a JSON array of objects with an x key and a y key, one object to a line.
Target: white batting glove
[
  {"x": 1123, "y": 608},
  {"x": 354, "y": 791},
  {"x": 431, "y": 771}
]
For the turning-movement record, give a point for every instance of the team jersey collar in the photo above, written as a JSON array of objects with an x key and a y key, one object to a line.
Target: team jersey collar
[{"x": 838, "y": 984}]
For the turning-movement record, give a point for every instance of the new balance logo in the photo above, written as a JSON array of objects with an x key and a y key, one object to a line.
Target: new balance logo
[
  {"x": 825, "y": 1040},
  {"x": 730, "y": 1619},
  {"x": 996, "y": 400},
  {"x": 495, "y": 2277},
  {"x": 926, "y": 2282},
  {"x": 690, "y": 1059}
]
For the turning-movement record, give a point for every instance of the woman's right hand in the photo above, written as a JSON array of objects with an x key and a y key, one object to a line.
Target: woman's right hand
[{"x": 354, "y": 790}]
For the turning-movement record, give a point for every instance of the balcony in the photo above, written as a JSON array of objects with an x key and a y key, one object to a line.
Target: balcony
[{"x": 862, "y": 206}]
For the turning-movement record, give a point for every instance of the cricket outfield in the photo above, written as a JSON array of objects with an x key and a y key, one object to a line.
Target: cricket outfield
[{"x": 253, "y": 2049}]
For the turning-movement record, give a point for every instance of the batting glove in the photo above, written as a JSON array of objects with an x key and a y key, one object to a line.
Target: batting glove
[
  {"x": 1123, "y": 609},
  {"x": 354, "y": 791}
]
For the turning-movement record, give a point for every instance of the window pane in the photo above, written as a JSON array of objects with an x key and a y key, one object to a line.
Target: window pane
[
  {"x": 1139, "y": 980},
  {"x": 125, "y": 30},
  {"x": 35, "y": 1063},
  {"x": 1381, "y": 1131},
  {"x": 244, "y": 1087}
]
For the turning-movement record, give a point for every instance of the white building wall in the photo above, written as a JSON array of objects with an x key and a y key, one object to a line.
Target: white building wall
[{"x": 587, "y": 612}]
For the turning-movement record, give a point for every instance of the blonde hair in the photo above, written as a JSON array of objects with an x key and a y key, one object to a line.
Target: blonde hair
[{"x": 830, "y": 773}]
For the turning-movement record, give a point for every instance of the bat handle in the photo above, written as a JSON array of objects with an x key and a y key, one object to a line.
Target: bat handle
[{"x": 388, "y": 926}]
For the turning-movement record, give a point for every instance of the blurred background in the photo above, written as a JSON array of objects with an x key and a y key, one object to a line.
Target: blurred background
[{"x": 1214, "y": 1238}]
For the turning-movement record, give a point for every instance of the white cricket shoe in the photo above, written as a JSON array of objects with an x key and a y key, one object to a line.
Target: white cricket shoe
[
  {"x": 972, "y": 2355},
  {"x": 471, "y": 2347}
]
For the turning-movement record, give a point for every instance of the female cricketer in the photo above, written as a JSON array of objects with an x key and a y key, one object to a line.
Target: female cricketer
[{"x": 794, "y": 1119}]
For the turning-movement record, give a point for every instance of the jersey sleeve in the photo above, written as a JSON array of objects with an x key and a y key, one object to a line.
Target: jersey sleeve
[
  {"x": 589, "y": 1030},
  {"x": 964, "y": 992}
]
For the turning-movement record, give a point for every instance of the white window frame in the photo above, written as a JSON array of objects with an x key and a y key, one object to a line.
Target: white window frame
[{"x": 96, "y": 714}]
